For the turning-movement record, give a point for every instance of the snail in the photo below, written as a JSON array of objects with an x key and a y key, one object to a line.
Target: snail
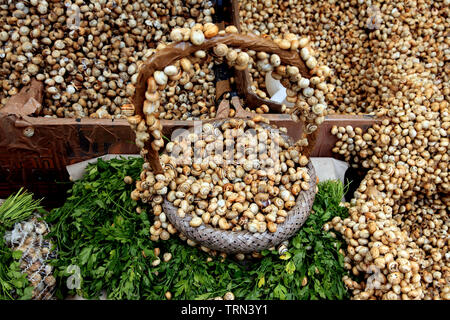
[
  {"x": 221, "y": 50},
  {"x": 197, "y": 37}
]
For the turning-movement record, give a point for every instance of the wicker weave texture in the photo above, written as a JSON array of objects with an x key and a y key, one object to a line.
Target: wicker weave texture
[{"x": 244, "y": 241}]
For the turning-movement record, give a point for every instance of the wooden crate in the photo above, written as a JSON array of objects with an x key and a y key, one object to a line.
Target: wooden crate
[{"x": 38, "y": 161}]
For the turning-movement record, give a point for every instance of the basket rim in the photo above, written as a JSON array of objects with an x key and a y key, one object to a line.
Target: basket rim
[{"x": 297, "y": 215}]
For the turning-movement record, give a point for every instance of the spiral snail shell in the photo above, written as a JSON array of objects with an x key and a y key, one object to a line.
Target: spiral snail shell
[
  {"x": 197, "y": 37},
  {"x": 221, "y": 50}
]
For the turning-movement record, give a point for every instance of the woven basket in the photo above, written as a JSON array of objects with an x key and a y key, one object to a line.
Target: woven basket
[
  {"x": 208, "y": 236},
  {"x": 245, "y": 241}
]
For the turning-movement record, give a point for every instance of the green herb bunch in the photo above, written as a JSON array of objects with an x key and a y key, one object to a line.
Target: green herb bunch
[
  {"x": 99, "y": 231},
  {"x": 13, "y": 283}
]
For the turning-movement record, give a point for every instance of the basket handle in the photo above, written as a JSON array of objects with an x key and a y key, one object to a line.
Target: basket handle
[{"x": 176, "y": 51}]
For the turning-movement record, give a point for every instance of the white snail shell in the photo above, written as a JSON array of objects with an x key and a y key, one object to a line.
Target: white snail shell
[
  {"x": 292, "y": 70},
  {"x": 318, "y": 109},
  {"x": 150, "y": 107},
  {"x": 265, "y": 67},
  {"x": 176, "y": 35},
  {"x": 311, "y": 62},
  {"x": 242, "y": 59},
  {"x": 303, "y": 42},
  {"x": 160, "y": 78},
  {"x": 304, "y": 53},
  {"x": 221, "y": 50},
  {"x": 200, "y": 54},
  {"x": 170, "y": 70},
  {"x": 152, "y": 97},
  {"x": 308, "y": 92},
  {"x": 303, "y": 83},
  {"x": 28, "y": 132},
  {"x": 310, "y": 128},
  {"x": 275, "y": 60},
  {"x": 231, "y": 55},
  {"x": 186, "y": 64},
  {"x": 195, "y": 222},
  {"x": 197, "y": 37}
]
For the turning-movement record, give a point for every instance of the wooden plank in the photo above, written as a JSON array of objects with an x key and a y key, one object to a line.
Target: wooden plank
[{"x": 56, "y": 143}]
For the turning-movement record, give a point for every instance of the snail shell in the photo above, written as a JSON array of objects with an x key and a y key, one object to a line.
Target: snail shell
[
  {"x": 271, "y": 226},
  {"x": 200, "y": 54},
  {"x": 290, "y": 36},
  {"x": 206, "y": 217},
  {"x": 275, "y": 60},
  {"x": 304, "y": 53},
  {"x": 278, "y": 202},
  {"x": 220, "y": 50},
  {"x": 231, "y": 29},
  {"x": 151, "y": 96},
  {"x": 150, "y": 107},
  {"x": 240, "y": 172},
  {"x": 176, "y": 76},
  {"x": 303, "y": 83},
  {"x": 231, "y": 55},
  {"x": 184, "y": 187},
  {"x": 127, "y": 110},
  {"x": 248, "y": 165},
  {"x": 292, "y": 71},
  {"x": 242, "y": 59},
  {"x": 197, "y": 37},
  {"x": 319, "y": 120},
  {"x": 310, "y": 128},
  {"x": 160, "y": 78},
  {"x": 308, "y": 92},
  {"x": 134, "y": 120},
  {"x": 28, "y": 132},
  {"x": 282, "y": 249},
  {"x": 252, "y": 227},
  {"x": 210, "y": 30},
  {"x": 195, "y": 222},
  {"x": 208, "y": 128},
  {"x": 151, "y": 84},
  {"x": 223, "y": 224},
  {"x": 264, "y": 67},
  {"x": 186, "y": 32},
  {"x": 205, "y": 190},
  {"x": 186, "y": 64},
  {"x": 170, "y": 197},
  {"x": 285, "y": 195},
  {"x": 311, "y": 62},
  {"x": 170, "y": 70},
  {"x": 284, "y": 44},
  {"x": 176, "y": 35},
  {"x": 195, "y": 188},
  {"x": 262, "y": 227},
  {"x": 318, "y": 109},
  {"x": 303, "y": 42}
]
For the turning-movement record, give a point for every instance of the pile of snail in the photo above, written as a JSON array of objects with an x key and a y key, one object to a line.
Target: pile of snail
[
  {"x": 236, "y": 196},
  {"x": 189, "y": 91},
  {"x": 251, "y": 183},
  {"x": 306, "y": 86},
  {"x": 86, "y": 52},
  {"x": 397, "y": 232},
  {"x": 388, "y": 59}
]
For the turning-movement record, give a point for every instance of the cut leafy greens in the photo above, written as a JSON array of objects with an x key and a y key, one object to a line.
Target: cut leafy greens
[{"x": 99, "y": 231}]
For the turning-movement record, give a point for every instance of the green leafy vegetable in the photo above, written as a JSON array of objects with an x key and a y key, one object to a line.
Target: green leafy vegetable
[
  {"x": 13, "y": 283},
  {"x": 99, "y": 231},
  {"x": 17, "y": 208}
]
